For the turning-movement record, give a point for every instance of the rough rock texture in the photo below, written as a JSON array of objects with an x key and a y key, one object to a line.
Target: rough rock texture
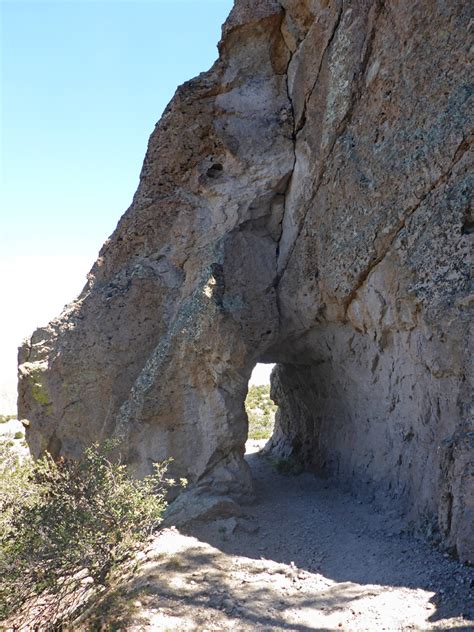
[{"x": 304, "y": 202}]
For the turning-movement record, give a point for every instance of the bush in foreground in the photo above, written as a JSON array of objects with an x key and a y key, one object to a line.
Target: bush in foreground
[{"x": 65, "y": 522}]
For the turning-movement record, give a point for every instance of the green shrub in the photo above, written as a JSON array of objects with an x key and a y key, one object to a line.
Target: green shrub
[
  {"x": 260, "y": 412},
  {"x": 5, "y": 418},
  {"x": 61, "y": 521},
  {"x": 15, "y": 488},
  {"x": 19, "y": 435},
  {"x": 287, "y": 466}
]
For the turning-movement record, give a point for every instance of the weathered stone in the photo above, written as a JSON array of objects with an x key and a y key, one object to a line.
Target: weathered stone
[
  {"x": 304, "y": 202},
  {"x": 195, "y": 505}
]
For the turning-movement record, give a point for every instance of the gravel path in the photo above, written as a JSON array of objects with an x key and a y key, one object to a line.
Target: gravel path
[{"x": 305, "y": 557}]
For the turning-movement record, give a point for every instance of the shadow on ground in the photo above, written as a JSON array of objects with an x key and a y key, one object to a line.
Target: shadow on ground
[
  {"x": 304, "y": 557},
  {"x": 306, "y": 521}
]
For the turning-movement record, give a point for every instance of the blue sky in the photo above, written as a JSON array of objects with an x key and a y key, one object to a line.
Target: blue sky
[{"x": 83, "y": 83}]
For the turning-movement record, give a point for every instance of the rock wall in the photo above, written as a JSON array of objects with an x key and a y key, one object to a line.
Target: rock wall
[{"x": 305, "y": 202}]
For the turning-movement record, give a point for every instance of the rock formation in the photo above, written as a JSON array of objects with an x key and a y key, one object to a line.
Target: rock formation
[{"x": 304, "y": 202}]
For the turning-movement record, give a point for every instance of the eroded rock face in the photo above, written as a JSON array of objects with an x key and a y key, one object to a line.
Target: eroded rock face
[{"x": 305, "y": 202}]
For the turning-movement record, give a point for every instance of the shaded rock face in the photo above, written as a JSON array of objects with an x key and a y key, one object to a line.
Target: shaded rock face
[{"x": 304, "y": 202}]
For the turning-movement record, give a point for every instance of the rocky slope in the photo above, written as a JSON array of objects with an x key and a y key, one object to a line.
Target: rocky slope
[{"x": 304, "y": 202}]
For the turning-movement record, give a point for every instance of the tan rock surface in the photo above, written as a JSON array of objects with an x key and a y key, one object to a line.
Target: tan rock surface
[{"x": 305, "y": 202}]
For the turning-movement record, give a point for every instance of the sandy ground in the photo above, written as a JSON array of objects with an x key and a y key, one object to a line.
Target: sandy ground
[{"x": 305, "y": 556}]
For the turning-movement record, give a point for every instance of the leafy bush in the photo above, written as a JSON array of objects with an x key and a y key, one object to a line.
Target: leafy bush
[
  {"x": 260, "y": 411},
  {"x": 15, "y": 489},
  {"x": 64, "y": 521},
  {"x": 19, "y": 435}
]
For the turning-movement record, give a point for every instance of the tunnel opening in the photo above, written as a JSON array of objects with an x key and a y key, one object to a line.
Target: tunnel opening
[
  {"x": 282, "y": 418},
  {"x": 260, "y": 407},
  {"x": 350, "y": 412},
  {"x": 323, "y": 417},
  {"x": 327, "y": 419}
]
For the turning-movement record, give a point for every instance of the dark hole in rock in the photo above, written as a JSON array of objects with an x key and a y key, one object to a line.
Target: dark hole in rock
[
  {"x": 215, "y": 170},
  {"x": 468, "y": 227}
]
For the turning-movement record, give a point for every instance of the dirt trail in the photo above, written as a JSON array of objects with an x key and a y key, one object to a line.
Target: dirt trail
[{"x": 305, "y": 557}]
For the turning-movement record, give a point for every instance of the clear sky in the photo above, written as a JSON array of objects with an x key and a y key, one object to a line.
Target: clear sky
[{"x": 83, "y": 83}]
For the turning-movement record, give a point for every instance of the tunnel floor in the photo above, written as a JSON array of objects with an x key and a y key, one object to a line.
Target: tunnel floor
[
  {"x": 305, "y": 556},
  {"x": 351, "y": 566}
]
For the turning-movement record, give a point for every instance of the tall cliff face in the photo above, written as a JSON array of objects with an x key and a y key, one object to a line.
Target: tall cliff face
[{"x": 304, "y": 202}]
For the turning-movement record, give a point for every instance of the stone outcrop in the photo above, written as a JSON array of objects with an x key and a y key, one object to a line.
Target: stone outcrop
[{"x": 304, "y": 202}]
